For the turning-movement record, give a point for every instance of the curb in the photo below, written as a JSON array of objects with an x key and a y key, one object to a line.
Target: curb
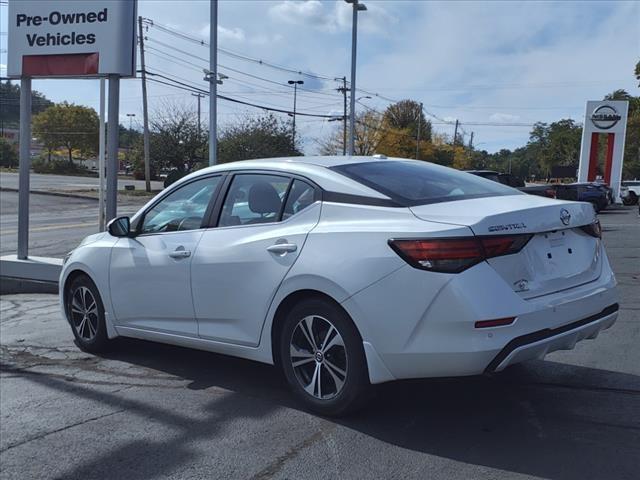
[
  {"x": 12, "y": 285},
  {"x": 53, "y": 194}
]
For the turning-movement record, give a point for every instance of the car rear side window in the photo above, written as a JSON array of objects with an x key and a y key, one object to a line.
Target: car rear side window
[
  {"x": 301, "y": 196},
  {"x": 410, "y": 182}
]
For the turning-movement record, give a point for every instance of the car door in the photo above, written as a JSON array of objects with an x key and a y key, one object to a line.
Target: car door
[
  {"x": 238, "y": 265},
  {"x": 150, "y": 274}
]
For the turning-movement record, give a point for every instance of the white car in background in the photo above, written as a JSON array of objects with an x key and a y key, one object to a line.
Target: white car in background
[
  {"x": 630, "y": 192},
  {"x": 346, "y": 272}
]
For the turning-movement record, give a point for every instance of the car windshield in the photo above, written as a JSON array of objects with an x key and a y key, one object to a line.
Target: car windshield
[{"x": 410, "y": 182}]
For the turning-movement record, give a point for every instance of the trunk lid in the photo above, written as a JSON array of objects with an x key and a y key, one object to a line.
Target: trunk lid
[{"x": 559, "y": 254}]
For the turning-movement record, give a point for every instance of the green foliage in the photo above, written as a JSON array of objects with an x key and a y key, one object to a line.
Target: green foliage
[
  {"x": 261, "y": 137},
  {"x": 73, "y": 127},
  {"x": 10, "y": 102},
  {"x": 60, "y": 167},
  {"x": 408, "y": 115},
  {"x": 8, "y": 154}
]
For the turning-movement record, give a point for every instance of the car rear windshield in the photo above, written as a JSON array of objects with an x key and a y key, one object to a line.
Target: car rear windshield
[{"x": 411, "y": 182}]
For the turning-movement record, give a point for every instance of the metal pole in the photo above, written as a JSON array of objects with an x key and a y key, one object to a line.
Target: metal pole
[
  {"x": 295, "y": 90},
  {"x": 455, "y": 134},
  {"x": 112, "y": 147},
  {"x": 198, "y": 96},
  {"x": 418, "y": 134},
  {"x": 145, "y": 112},
  {"x": 471, "y": 141},
  {"x": 25, "y": 165},
  {"x": 352, "y": 111},
  {"x": 344, "y": 116},
  {"x": 213, "y": 83},
  {"x": 101, "y": 151}
]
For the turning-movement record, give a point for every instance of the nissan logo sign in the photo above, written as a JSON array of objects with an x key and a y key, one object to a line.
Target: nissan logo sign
[{"x": 605, "y": 117}]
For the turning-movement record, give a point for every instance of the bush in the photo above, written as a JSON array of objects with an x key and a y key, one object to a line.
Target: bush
[
  {"x": 61, "y": 167},
  {"x": 8, "y": 154}
]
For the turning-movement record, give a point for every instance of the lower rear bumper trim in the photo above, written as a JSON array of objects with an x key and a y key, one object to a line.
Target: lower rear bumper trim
[{"x": 547, "y": 333}]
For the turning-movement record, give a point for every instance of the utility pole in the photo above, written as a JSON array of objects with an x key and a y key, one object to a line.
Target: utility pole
[
  {"x": 357, "y": 6},
  {"x": 344, "y": 90},
  {"x": 213, "y": 82},
  {"x": 145, "y": 112},
  {"x": 295, "y": 84},
  {"x": 130, "y": 115},
  {"x": 471, "y": 141},
  {"x": 418, "y": 134},
  {"x": 198, "y": 96},
  {"x": 455, "y": 134}
]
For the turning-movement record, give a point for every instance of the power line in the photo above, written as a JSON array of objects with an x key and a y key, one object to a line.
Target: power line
[
  {"x": 195, "y": 89},
  {"x": 236, "y": 55}
]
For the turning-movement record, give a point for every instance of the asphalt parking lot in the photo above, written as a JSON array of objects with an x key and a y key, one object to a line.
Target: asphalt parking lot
[{"x": 148, "y": 411}]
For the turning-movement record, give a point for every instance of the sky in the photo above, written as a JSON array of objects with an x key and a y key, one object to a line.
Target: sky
[{"x": 497, "y": 67}]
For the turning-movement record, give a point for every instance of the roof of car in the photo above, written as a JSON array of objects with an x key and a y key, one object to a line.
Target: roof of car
[{"x": 316, "y": 168}]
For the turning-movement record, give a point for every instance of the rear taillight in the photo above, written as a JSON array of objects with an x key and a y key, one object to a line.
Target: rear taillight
[
  {"x": 550, "y": 192},
  {"x": 594, "y": 229},
  {"x": 453, "y": 255}
]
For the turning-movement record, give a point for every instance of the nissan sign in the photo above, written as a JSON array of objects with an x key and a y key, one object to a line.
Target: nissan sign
[
  {"x": 605, "y": 117},
  {"x": 68, "y": 38}
]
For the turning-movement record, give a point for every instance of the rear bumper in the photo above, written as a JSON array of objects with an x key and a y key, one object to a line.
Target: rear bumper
[
  {"x": 415, "y": 326},
  {"x": 540, "y": 343}
]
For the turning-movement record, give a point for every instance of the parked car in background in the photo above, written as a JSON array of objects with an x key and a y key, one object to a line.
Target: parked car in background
[
  {"x": 596, "y": 194},
  {"x": 345, "y": 271},
  {"x": 630, "y": 192},
  {"x": 511, "y": 180}
]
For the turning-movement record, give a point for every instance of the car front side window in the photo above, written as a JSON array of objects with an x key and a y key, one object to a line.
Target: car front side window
[{"x": 183, "y": 209}]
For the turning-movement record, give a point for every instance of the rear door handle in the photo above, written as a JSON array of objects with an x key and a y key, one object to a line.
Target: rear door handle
[
  {"x": 180, "y": 253},
  {"x": 282, "y": 248}
]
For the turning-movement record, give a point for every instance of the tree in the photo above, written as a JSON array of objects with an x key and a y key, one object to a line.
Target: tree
[
  {"x": 408, "y": 115},
  {"x": 368, "y": 134},
  {"x": 631, "y": 165},
  {"x": 10, "y": 103},
  {"x": 8, "y": 154},
  {"x": 73, "y": 127},
  {"x": 262, "y": 137}
]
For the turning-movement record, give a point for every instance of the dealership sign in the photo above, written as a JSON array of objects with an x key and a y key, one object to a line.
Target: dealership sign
[
  {"x": 69, "y": 38},
  {"x": 605, "y": 117}
]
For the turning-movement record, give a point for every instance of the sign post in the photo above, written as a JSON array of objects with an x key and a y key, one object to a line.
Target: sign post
[
  {"x": 69, "y": 39},
  {"x": 25, "y": 165},
  {"x": 610, "y": 117}
]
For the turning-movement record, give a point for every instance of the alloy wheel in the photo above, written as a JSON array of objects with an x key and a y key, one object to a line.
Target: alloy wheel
[
  {"x": 318, "y": 357},
  {"x": 84, "y": 313}
]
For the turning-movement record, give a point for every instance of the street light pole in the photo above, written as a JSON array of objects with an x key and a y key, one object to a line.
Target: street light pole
[
  {"x": 357, "y": 6},
  {"x": 295, "y": 84}
]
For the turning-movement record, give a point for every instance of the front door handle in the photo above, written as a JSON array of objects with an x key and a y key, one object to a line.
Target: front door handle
[
  {"x": 282, "y": 248},
  {"x": 180, "y": 252}
]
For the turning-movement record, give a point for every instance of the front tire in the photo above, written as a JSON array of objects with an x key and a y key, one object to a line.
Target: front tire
[
  {"x": 323, "y": 359},
  {"x": 85, "y": 313}
]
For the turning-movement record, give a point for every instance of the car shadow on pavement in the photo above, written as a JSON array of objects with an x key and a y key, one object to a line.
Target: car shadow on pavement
[{"x": 541, "y": 418}]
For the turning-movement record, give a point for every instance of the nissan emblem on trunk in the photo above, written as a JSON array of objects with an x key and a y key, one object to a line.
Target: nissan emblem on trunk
[{"x": 565, "y": 216}]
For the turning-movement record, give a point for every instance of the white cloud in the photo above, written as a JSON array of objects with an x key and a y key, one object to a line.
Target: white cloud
[
  {"x": 225, "y": 34},
  {"x": 331, "y": 20},
  {"x": 503, "y": 117}
]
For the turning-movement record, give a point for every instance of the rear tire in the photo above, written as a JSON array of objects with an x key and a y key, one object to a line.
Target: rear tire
[
  {"x": 323, "y": 359},
  {"x": 85, "y": 313}
]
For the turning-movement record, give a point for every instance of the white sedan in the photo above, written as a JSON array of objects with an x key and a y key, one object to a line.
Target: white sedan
[{"x": 346, "y": 272}]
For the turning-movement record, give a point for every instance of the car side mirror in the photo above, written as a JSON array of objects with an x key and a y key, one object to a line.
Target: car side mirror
[{"x": 119, "y": 227}]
